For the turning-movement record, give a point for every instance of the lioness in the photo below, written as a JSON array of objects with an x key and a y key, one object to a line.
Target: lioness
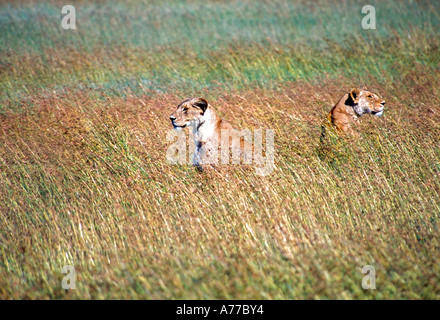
[
  {"x": 208, "y": 131},
  {"x": 350, "y": 107},
  {"x": 341, "y": 120}
]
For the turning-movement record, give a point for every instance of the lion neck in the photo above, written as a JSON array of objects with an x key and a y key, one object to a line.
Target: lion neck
[
  {"x": 344, "y": 115},
  {"x": 348, "y": 107},
  {"x": 205, "y": 127}
]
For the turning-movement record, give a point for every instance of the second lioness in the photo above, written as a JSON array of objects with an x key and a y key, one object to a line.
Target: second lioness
[{"x": 351, "y": 106}]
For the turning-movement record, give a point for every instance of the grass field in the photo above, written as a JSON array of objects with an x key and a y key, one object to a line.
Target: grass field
[{"x": 83, "y": 170}]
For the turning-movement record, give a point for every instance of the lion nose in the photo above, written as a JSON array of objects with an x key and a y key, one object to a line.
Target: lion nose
[
  {"x": 172, "y": 118},
  {"x": 382, "y": 103}
]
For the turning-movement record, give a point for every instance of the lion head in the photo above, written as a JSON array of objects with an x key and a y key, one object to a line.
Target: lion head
[
  {"x": 188, "y": 112},
  {"x": 364, "y": 102}
]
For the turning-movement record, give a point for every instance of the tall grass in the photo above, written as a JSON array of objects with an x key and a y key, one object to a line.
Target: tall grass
[
  {"x": 84, "y": 176},
  {"x": 191, "y": 46}
]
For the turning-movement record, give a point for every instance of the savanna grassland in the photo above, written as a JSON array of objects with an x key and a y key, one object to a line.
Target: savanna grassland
[{"x": 83, "y": 170}]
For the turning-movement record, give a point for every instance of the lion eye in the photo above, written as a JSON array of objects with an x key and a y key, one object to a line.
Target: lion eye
[
  {"x": 370, "y": 96},
  {"x": 185, "y": 109}
]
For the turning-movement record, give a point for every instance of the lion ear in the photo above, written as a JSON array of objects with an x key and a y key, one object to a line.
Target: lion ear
[
  {"x": 354, "y": 94},
  {"x": 201, "y": 103},
  {"x": 364, "y": 88}
]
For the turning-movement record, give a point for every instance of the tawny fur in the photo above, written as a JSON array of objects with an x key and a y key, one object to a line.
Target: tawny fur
[{"x": 357, "y": 102}]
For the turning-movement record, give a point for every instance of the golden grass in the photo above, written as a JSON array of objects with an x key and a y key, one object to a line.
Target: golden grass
[
  {"x": 83, "y": 170},
  {"x": 85, "y": 182}
]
